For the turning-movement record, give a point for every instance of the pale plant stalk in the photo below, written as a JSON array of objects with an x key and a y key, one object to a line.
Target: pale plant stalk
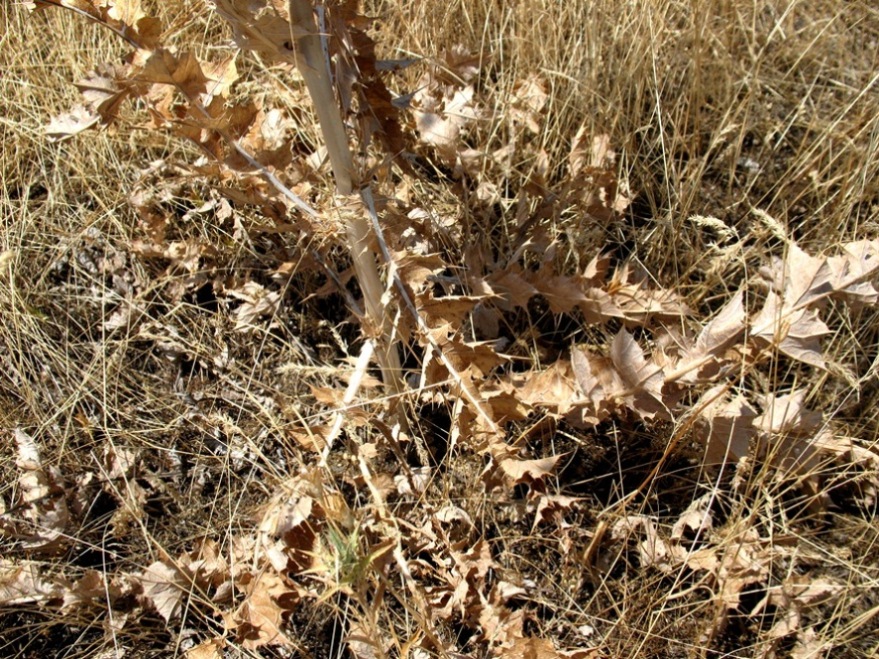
[{"x": 312, "y": 65}]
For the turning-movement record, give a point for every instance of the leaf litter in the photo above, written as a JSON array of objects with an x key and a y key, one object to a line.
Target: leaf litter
[{"x": 462, "y": 535}]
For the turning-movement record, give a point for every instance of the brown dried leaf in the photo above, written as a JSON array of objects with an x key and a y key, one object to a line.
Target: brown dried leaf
[
  {"x": 361, "y": 644},
  {"x": 511, "y": 288},
  {"x": 44, "y": 498},
  {"x": 653, "y": 550},
  {"x": 589, "y": 151},
  {"x": 850, "y": 272},
  {"x": 701, "y": 362},
  {"x": 449, "y": 309},
  {"x": 164, "y": 587},
  {"x": 796, "y": 595},
  {"x": 91, "y": 589},
  {"x": 597, "y": 381},
  {"x": 551, "y": 508},
  {"x": 472, "y": 359},
  {"x": 209, "y": 649},
  {"x": 528, "y": 100},
  {"x": 162, "y": 67},
  {"x": 262, "y": 26},
  {"x": 258, "y": 302},
  {"x": 23, "y": 583},
  {"x": 290, "y": 525},
  {"x": 797, "y": 439},
  {"x": 260, "y": 619},
  {"x": 124, "y": 16},
  {"x": 744, "y": 560},
  {"x": 184, "y": 254},
  {"x": 528, "y": 471},
  {"x": 728, "y": 428},
  {"x": 638, "y": 303},
  {"x": 795, "y": 332},
  {"x": 72, "y": 123},
  {"x": 786, "y": 413},
  {"x": 801, "y": 284},
  {"x": 696, "y": 519},
  {"x": 531, "y": 648},
  {"x": 810, "y": 646},
  {"x": 440, "y": 121},
  {"x": 554, "y": 388},
  {"x": 500, "y": 626},
  {"x": 563, "y": 294},
  {"x": 642, "y": 378}
]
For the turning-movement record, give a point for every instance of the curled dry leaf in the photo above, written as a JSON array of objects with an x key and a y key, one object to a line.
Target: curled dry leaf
[
  {"x": 68, "y": 124},
  {"x": 626, "y": 378},
  {"x": 528, "y": 471},
  {"x": 262, "y": 26},
  {"x": 529, "y": 97},
  {"x": 260, "y": 619},
  {"x": 553, "y": 388},
  {"x": 794, "y": 597},
  {"x": 696, "y": 519},
  {"x": 44, "y": 500},
  {"x": 589, "y": 150},
  {"x": 800, "y": 286},
  {"x": 550, "y": 509},
  {"x": 642, "y": 378},
  {"x": 540, "y": 648},
  {"x": 209, "y": 649},
  {"x": 125, "y": 16},
  {"x": 810, "y": 645},
  {"x": 794, "y": 331},
  {"x": 440, "y": 121},
  {"x": 257, "y": 302},
  {"x": 702, "y": 360},
  {"x": 445, "y": 105},
  {"x": 24, "y": 583},
  {"x": 728, "y": 425},
  {"x": 362, "y": 645}
]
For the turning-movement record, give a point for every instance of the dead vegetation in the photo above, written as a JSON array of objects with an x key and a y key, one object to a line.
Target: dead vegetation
[{"x": 629, "y": 255}]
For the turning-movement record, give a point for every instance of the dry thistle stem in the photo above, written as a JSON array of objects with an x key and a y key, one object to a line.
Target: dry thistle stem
[{"x": 312, "y": 65}]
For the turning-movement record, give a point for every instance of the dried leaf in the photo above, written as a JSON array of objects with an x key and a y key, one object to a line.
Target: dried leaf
[
  {"x": 589, "y": 151},
  {"x": 260, "y": 619},
  {"x": 164, "y": 587},
  {"x": 810, "y": 646},
  {"x": 361, "y": 645},
  {"x": 696, "y": 519},
  {"x": 125, "y": 16},
  {"x": 44, "y": 498},
  {"x": 531, "y": 648},
  {"x": 529, "y": 471},
  {"x": 642, "y": 378},
  {"x": 258, "y": 302},
  {"x": 23, "y": 583},
  {"x": 72, "y": 123},
  {"x": 529, "y": 97},
  {"x": 728, "y": 428},
  {"x": 209, "y": 649},
  {"x": 260, "y": 25},
  {"x": 795, "y": 332},
  {"x": 701, "y": 361},
  {"x": 554, "y": 388}
]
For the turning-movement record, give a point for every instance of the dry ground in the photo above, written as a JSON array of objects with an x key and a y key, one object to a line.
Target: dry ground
[{"x": 171, "y": 351}]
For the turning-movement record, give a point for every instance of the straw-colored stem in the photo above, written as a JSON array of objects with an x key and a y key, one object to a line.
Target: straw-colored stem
[{"x": 314, "y": 71}]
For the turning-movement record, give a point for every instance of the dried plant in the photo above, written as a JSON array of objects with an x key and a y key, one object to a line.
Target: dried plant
[{"x": 616, "y": 265}]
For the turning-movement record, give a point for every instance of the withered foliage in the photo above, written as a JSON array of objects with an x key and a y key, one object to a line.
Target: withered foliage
[{"x": 418, "y": 526}]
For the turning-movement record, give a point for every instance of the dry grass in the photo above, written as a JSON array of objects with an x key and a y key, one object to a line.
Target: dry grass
[{"x": 737, "y": 111}]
